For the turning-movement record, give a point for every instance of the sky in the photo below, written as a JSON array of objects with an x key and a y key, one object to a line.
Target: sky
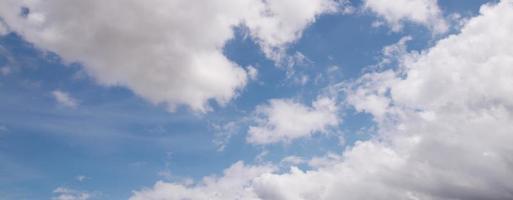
[{"x": 254, "y": 99}]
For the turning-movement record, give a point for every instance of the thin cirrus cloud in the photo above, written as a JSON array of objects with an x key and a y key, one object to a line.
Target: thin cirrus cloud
[
  {"x": 444, "y": 130},
  {"x": 169, "y": 52}
]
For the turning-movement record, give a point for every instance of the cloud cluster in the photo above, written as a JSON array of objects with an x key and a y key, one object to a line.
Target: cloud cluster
[
  {"x": 423, "y": 12},
  {"x": 444, "y": 119},
  {"x": 283, "y": 120},
  {"x": 169, "y": 52}
]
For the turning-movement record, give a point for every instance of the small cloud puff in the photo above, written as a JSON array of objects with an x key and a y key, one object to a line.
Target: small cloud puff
[{"x": 64, "y": 99}]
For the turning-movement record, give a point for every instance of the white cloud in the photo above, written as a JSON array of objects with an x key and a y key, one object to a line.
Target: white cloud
[
  {"x": 292, "y": 160},
  {"x": 169, "y": 52},
  {"x": 223, "y": 133},
  {"x": 327, "y": 160},
  {"x": 284, "y": 22},
  {"x": 81, "y": 178},
  {"x": 285, "y": 120},
  {"x": 370, "y": 94},
  {"x": 252, "y": 72},
  {"x": 445, "y": 132},
  {"x": 63, "y": 193},
  {"x": 395, "y": 13},
  {"x": 234, "y": 184},
  {"x": 64, "y": 99}
]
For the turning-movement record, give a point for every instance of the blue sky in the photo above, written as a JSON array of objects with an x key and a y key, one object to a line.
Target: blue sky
[{"x": 118, "y": 141}]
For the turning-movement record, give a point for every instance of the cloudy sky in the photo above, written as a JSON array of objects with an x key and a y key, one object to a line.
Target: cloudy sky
[{"x": 256, "y": 99}]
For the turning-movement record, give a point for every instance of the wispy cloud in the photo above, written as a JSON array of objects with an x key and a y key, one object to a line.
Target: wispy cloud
[
  {"x": 64, "y": 99},
  {"x": 64, "y": 193}
]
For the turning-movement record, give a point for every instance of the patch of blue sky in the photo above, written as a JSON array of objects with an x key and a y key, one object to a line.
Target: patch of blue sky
[{"x": 103, "y": 137}]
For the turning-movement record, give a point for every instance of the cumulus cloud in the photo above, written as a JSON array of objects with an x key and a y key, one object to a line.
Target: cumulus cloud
[
  {"x": 64, "y": 99},
  {"x": 444, "y": 132},
  {"x": 169, "y": 52},
  {"x": 234, "y": 184},
  {"x": 284, "y": 22},
  {"x": 63, "y": 193},
  {"x": 283, "y": 120},
  {"x": 423, "y": 12}
]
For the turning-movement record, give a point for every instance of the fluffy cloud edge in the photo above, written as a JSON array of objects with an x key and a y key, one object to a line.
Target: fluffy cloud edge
[
  {"x": 424, "y": 12},
  {"x": 284, "y": 120}
]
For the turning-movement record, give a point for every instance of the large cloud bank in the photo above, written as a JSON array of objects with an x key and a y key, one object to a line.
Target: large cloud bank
[
  {"x": 445, "y": 122},
  {"x": 169, "y": 52}
]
